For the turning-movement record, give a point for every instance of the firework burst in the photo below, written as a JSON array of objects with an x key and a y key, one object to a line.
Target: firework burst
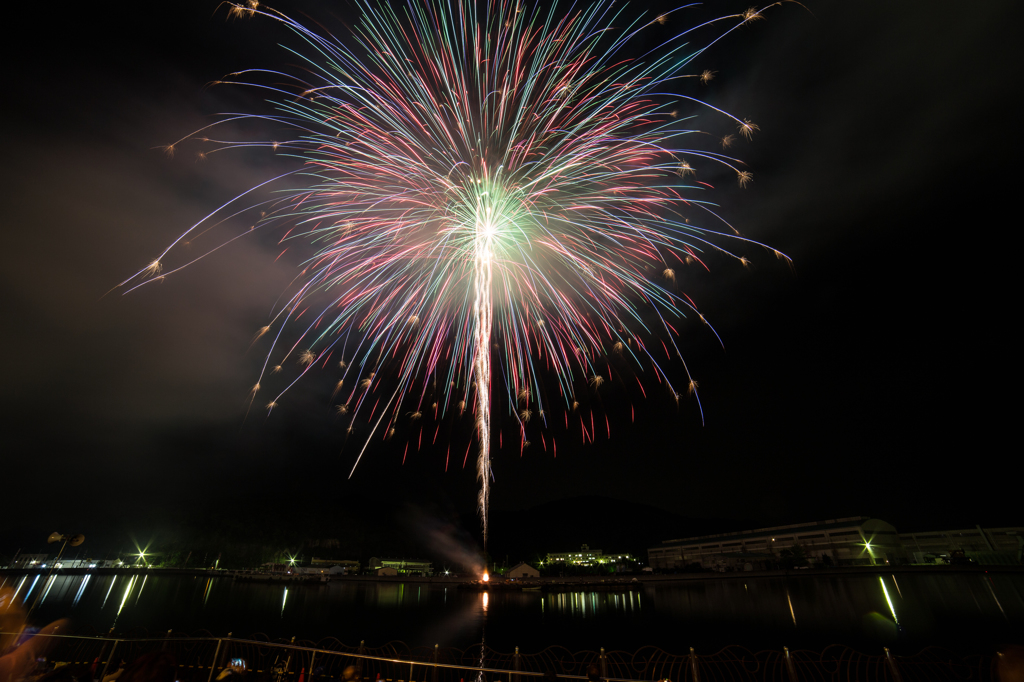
[{"x": 491, "y": 190}]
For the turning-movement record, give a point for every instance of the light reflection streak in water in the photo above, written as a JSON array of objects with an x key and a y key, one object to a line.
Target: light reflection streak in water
[
  {"x": 898, "y": 590},
  {"x": 206, "y": 592},
  {"x": 30, "y": 588},
  {"x": 484, "y": 600},
  {"x": 284, "y": 600},
  {"x": 791, "y": 612},
  {"x": 590, "y": 604},
  {"x": 18, "y": 589},
  {"x": 127, "y": 591},
  {"x": 888, "y": 600},
  {"x": 988, "y": 584},
  {"x": 109, "y": 590},
  {"x": 81, "y": 589},
  {"x": 389, "y": 596},
  {"x": 141, "y": 588},
  {"x": 49, "y": 586}
]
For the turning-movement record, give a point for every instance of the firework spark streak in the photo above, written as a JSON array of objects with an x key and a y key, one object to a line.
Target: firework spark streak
[
  {"x": 482, "y": 352},
  {"x": 489, "y": 190}
]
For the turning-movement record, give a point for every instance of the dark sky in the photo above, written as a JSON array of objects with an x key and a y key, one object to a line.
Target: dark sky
[{"x": 874, "y": 377}]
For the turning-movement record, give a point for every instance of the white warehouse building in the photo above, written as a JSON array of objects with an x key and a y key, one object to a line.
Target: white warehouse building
[{"x": 850, "y": 541}]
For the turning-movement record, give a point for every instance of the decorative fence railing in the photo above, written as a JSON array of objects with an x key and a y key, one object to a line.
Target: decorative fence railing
[{"x": 201, "y": 659}]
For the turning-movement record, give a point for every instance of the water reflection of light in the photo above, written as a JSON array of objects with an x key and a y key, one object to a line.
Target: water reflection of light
[
  {"x": 127, "y": 591},
  {"x": 141, "y": 588},
  {"x": 284, "y": 599},
  {"x": 30, "y": 588},
  {"x": 18, "y": 589},
  {"x": 888, "y": 600},
  {"x": 49, "y": 586},
  {"x": 81, "y": 589},
  {"x": 484, "y": 600},
  {"x": 791, "y": 612},
  {"x": 109, "y": 589},
  {"x": 389, "y": 595},
  {"x": 591, "y": 604},
  {"x": 898, "y": 590},
  {"x": 206, "y": 593},
  {"x": 988, "y": 584}
]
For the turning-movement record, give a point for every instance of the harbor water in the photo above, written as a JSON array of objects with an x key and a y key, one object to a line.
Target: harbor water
[{"x": 903, "y": 611}]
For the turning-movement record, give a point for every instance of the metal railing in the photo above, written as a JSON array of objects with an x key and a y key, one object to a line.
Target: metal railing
[{"x": 201, "y": 659}]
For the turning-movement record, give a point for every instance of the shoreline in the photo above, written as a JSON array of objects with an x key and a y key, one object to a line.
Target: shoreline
[{"x": 624, "y": 581}]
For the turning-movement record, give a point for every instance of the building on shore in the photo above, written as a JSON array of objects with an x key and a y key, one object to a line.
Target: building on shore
[
  {"x": 31, "y": 561},
  {"x": 308, "y": 570},
  {"x": 584, "y": 557},
  {"x": 402, "y": 566},
  {"x": 28, "y": 561},
  {"x": 990, "y": 546},
  {"x": 337, "y": 566},
  {"x": 522, "y": 570},
  {"x": 851, "y": 541},
  {"x": 587, "y": 557}
]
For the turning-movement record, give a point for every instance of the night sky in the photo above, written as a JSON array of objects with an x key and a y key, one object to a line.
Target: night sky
[{"x": 873, "y": 377}]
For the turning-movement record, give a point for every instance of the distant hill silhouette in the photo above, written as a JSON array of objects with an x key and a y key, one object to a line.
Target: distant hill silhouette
[{"x": 600, "y": 522}]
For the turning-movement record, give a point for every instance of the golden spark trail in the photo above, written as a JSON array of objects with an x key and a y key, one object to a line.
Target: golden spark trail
[{"x": 482, "y": 358}]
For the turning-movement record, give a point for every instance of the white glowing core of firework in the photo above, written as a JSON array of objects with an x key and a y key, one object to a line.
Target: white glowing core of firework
[{"x": 485, "y": 233}]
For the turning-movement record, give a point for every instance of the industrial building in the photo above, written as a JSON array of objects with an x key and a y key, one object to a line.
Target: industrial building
[
  {"x": 346, "y": 566},
  {"x": 850, "y": 541},
  {"x": 402, "y": 566},
  {"x": 28, "y": 561},
  {"x": 35, "y": 561},
  {"x": 984, "y": 545}
]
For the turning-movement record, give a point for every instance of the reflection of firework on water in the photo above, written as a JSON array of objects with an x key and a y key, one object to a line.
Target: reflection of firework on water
[{"x": 481, "y": 185}]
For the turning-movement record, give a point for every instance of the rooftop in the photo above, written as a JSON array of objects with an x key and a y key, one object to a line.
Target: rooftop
[{"x": 778, "y": 530}]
